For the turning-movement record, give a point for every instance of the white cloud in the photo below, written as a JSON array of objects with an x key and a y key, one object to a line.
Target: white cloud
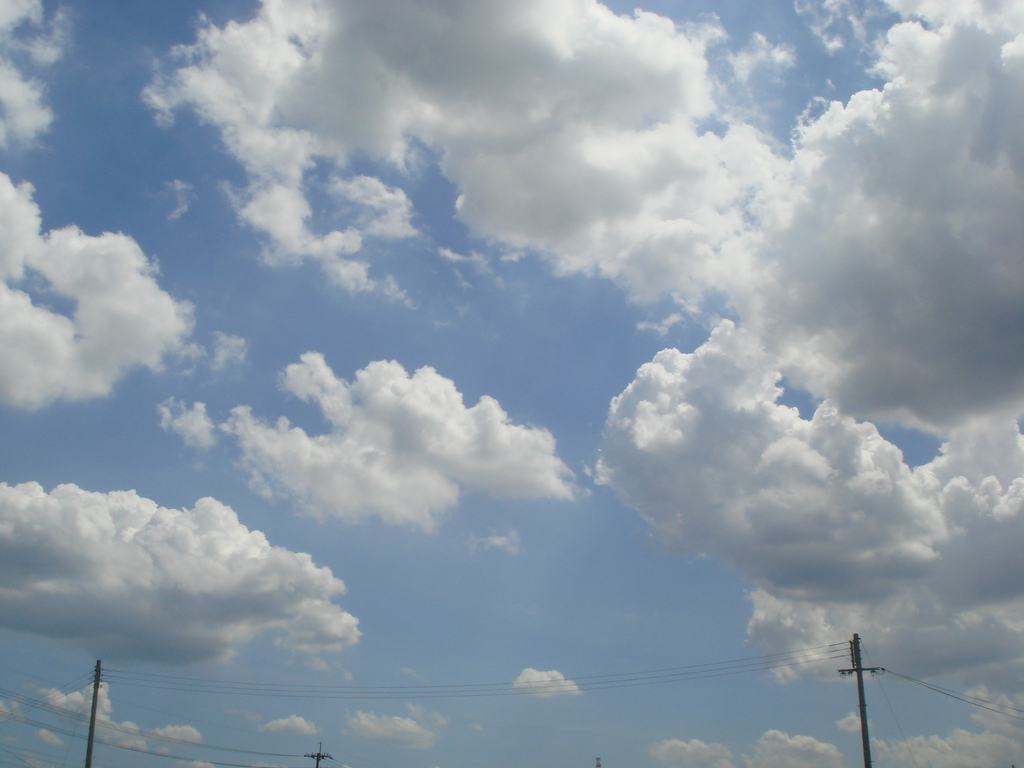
[
  {"x": 893, "y": 280},
  {"x": 191, "y": 424},
  {"x": 182, "y": 192},
  {"x": 293, "y": 724},
  {"x": 997, "y": 739},
  {"x": 400, "y": 448},
  {"x": 126, "y": 733},
  {"x": 545, "y": 684},
  {"x": 386, "y": 211},
  {"x": 116, "y": 572},
  {"x": 121, "y": 318},
  {"x": 415, "y": 732},
  {"x": 566, "y": 128},
  {"x": 839, "y": 23},
  {"x": 49, "y": 737},
  {"x": 509, "y": 542},
  {"x": 774, "y": 750},
  {"x": 691, "y": 754},
  {"x": 228, "y": 350},
  {"x": 179, "y": 732},
  {"x": 761, "y": 55},
  {"x": 23, "y": 112},
  {"x": 885, "y": 280},
  {"x": 995, "y": 742},
  {"x": 850, "y": 723},
  {"x": 780, "y": 750},
  {"x": 835, "y": 531}
]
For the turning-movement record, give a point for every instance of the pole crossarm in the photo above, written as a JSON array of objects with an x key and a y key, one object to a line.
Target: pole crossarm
[{"x": 319, "y": 755}]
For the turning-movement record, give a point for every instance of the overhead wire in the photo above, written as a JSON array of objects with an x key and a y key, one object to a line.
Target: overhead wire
[
  {"x": 976, "y": 701},
  {"x": 460, "y": 690},
  {"x": 892, "y": 712},
  {"x": 190, "y": 685}
]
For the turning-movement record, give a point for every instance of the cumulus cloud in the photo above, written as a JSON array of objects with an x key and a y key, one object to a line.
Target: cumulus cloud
[
  {"x": 26, "y": 41},
  {"x": 121, "y": 318},
  {"x": 566, "y": 127},
  {"x": 691, "y": 754},
  {"x": 884, "y": 278},
  {"x": 994, "y": 740},
  {"x": 124, "y": 733},
  {"x": 49, "y": 737},
  {"x": 895, "y": 273},
  {"x": 293, "y": 724},
  {"x": 384, "y": 211},
  {"x": 190, "y": 424},
  {"x": 780, "y": 750},
  {"x": 400, "y": 448},
  {"x": 419, "y": 731},
  {"x": 545, "y": 684},
  {"x": 833, "y": 528},
  {"x": 775, "y": 749},
  {"x": 115, "y": 571}
]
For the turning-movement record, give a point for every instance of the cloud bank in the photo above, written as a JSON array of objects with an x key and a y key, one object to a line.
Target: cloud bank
[
  {"x": 824, "y": 517},
  {"x": 115, "y": 571}
]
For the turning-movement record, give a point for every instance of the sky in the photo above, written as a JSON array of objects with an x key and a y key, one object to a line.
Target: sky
[{"x": 478, "y": 383}]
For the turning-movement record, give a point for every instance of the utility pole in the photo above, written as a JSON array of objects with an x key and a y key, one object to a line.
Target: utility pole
[
  {"x": 92, "y": 717},
  {"x": 859, "y": 670},
  {"x": 319, "y": 755}
]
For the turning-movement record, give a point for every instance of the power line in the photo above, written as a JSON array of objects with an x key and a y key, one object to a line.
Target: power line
[
  {"x": 505, "y": 688},
  {"x": 975, "y": 701}
]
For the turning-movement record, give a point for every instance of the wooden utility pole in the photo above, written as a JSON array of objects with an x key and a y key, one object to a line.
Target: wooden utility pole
[
  {"x": 319, "y": 754},
  {"x": 92, "y": 717},
  {"x": 859, "y": 670}
]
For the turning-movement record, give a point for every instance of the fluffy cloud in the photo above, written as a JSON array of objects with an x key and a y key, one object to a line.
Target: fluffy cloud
[
  {"x": 892, "y": 284},
  {"x": 545, "y": 684},
  {"x": 415, "y": 732},
  {"x": 567, "y": 128},
  {"x": 691, "y": 754},
  {"x": 115, "y": 571},
  {"x": 293, "y": 724},
  {"x": 823, "y": 515},
  {"x": 125, "y": 733},
  {"x": 780, "y": 750},
  {"x": 121, "y": 318},
  {"x": 509, "y": 542},
  {"x": 401, "y": 446},
  {"x": 774, "y": 750},
  {"x": 228, "y": 350},
  {"x": 995, "y": 740},
  {"x": 191, "y": 424},
  {"x": 878, "y": 255},
  {"x": 25, "y": 41}
]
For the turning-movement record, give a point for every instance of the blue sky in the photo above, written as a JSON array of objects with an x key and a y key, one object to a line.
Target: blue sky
[{"x": 557, "y": 352}]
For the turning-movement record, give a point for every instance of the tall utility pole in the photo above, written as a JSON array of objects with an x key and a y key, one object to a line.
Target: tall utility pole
[
  {"x": 859, "y": 670},
  {"x": 319, "y": 754},
  {"x": 92, "y": 717}
]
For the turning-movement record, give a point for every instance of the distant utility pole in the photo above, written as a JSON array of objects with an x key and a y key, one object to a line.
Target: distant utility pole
[
  {"x": 859, "y": 670},
  {"x": 92, "y": 717},
  {"x": 319, "y": 754}
]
